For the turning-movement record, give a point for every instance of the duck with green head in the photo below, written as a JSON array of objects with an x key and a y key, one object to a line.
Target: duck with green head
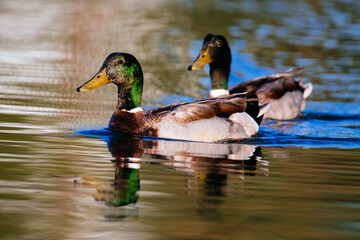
[
  {"x": 287, "y": 96},
  {"x": 216, "y": 119}
]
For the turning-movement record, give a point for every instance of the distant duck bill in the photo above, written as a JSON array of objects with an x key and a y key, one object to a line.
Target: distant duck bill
[
  {"x": 201, "y": 61},
  {"x": 100, "y": 79}
]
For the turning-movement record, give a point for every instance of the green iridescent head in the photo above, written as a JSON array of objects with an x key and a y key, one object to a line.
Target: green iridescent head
[{"x": 123, "y": 70}]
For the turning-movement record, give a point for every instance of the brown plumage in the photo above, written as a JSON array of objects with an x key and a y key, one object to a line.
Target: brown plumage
[
  {"x": 132, "y": 123},
  {"x": 201, "y": 109},
  {"x": 140, "y": 123},
  {"x": 270, "y": 87}
]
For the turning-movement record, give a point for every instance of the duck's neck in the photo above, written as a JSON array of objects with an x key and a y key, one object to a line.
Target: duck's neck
[
  {"x": 130, "y": 97},
  {"x": 219, "y": 76}
]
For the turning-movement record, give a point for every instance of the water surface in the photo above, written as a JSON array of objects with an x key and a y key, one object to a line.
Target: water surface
[{"x": 63, "y": 176}]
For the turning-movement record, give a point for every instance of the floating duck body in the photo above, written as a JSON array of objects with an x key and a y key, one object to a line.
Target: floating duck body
[
  {"x": 286, "y": 95},
  {"x": 215, "y": 119}
]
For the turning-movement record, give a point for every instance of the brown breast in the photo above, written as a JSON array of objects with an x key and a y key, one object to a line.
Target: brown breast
[{"x": 124, "y": 121}]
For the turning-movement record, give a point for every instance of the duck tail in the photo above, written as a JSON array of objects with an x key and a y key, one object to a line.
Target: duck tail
[
  {"x": 294, "y": 70},
  {"x": 253, "y": 108},
  {"x": 308, "y": 88},
  {"x": 263, "y": 109}
]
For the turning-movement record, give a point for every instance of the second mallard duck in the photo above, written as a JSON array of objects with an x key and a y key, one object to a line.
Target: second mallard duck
[
  {"x": 231, "y": 117},
  {"x": 286, "y": 95}
]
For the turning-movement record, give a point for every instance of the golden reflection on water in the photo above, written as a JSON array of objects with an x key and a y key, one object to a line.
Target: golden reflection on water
[{"x": 162, "y": 188}]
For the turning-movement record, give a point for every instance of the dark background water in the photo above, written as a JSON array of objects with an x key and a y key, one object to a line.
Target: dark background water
[{"x": 62, "y": 176}]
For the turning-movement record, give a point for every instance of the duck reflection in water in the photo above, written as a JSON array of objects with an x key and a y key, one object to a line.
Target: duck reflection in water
[
  {"x": 208, "y": 163},
  {"x": 210, "y": 182},
  {"x": 123, "y": 189},
  {"x": 127, "y": 154}
]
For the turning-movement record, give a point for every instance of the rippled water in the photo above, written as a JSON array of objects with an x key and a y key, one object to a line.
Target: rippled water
[{"x": 63, "y": 176}]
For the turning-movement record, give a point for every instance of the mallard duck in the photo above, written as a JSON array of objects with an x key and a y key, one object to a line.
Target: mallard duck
[
  {"x": 287, "y": 96},
  {"x": 216, "y": 119}
]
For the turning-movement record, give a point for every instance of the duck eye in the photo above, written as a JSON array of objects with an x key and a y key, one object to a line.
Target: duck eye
[
  {"x": 120, "y": 61},
  {"x": 219, "y": 43}
]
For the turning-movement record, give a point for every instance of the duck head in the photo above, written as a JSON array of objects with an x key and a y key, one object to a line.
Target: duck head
[
  {"x": 215, "y": 51},
  {"x": 123, "y": 70}
]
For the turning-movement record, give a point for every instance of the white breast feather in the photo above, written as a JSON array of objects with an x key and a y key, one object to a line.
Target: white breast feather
[
  {"x": 206, "y": 130},
  {"x": 287, "y": 107}
]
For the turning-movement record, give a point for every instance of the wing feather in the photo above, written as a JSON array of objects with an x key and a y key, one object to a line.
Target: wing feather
[
  {"x": 272, "y": 86},
  {"x": 201, "y": 109}
]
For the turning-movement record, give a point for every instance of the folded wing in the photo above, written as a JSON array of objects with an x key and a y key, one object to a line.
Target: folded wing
[{"x": 203, "y": 109}]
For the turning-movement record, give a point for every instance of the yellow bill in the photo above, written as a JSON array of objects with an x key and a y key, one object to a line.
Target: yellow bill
[
  {"x": 100, "y": 79},
  {"x": 201, "y": 61}
]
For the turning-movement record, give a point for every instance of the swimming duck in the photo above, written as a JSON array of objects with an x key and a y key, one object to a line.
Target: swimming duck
[
  {"x": 216, "y": 119},
  {"x": 287, "y": 96}
]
